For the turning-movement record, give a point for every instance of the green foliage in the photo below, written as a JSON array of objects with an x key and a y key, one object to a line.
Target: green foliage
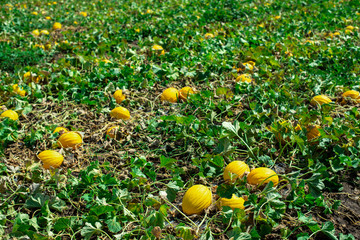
[{"x": 131, "y": 187}]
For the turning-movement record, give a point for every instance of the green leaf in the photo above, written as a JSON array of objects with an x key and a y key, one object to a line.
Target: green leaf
[
  {"x": 171, "y": 194},
  {"x": 38, "y": 236},
  {"x": 36, "y": 201},
  {"x": 218, "y": 161},
  {"x": 206, "y": 236},
  {"x": 99, "y": 210},
  {"x": 88, "y": 230},
  {"x": 302, "y": 236},
  {"x": 224, "y": 147},
  {"x": 225, "y": 190},
  {"x": 230, "y": 127},
  {"x": 237, "y": 234},
  {"x": 62, "y": 224},
  {"x": 254, "y": 234},
  {"x": 315, "y": 185},
  {"x": 156, "y": 218},
  {"x": 346, "y": 237},
  {"x": 304, "y": 219},
  {"x": 184, "y": 232},
  {"x": 57, "y": 204},
  {"x": 222, "y": 91},
  {"x": 136, "y": 172},
  {"x": 167, "y": 162},
  {"x": 329, "y": 230},
  {"x": 113, "y": 225}
]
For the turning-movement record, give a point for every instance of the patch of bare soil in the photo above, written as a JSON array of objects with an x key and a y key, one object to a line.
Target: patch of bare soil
[{"x": 347, "y": 218}]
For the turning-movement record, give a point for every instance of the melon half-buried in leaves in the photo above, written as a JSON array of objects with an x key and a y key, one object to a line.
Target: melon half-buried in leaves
[
  {"x": 249, "y": 65},
  {"x": 10, "y": 114},
  {"x": 354, "y": 95},
  {"x": 313, "y": 132},
  {"x": 18, "y": 90},
  {"x": 196, "y": 199},
  {"x": 60, "y": 130},
  {"x": 51, "y": 159},
  {"x": 209, "y": 35},
  {"x": 159, "y": 49},
  {"x": 320, "y": 100},
  {"x": 234, "y": 202},
  {"x": 279, "y": 128},
  {"x": 70, "y": 140},
  {"x": 235, "y": 170},
  {"x": 244, "y": 78},
  {"x": 185, "y": 92},
  {"x": 262, "y": 175},
  {"x": 119, "y": 96},
  {"x": 111, "y": 132}
]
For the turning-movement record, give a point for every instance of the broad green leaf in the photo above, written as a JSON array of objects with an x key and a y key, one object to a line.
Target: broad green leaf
[
  {"x": 99, "y": 210},
  {"x": 113, "y": 225},
  {"x": 167, "y": 162},
  {"x": 62, "y": 224},
  {"x": 89, "y": 230},
  {"x": 36, "y": 201},
  {"x": 184, "y": 232}
]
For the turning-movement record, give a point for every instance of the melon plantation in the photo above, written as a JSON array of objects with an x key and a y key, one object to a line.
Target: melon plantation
[{"x": 180, "y": 119}]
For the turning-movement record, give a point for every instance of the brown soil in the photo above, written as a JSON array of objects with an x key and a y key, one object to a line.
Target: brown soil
[{"x": 346, "y": 219}]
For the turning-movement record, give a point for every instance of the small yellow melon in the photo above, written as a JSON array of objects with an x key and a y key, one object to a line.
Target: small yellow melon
[
  {"x": 51, "y": 159},
  {"x": 313, "y": 132},
  {"x": 119, "y": 96},
  {"x": 209, "y": 35},
  {"x": 44, "y": 32},
  {"x": 244, "y": 78},
  {"x": 36, "y": 33},
  {"x": 57, "y": 26},
  {"x": 120, "y": 113},
  {"x": 234, "y": 202},
  {"x": 262, "y": 175},
  {"x": 185, "y": 92},
  {"x": 60, "y": 130},
  {"x": 249, "y": 65},
  {"x": 196, "y": 199},
  {"x": 350, "y": 28},
  {"x": 235, "y": 170},
  {"x": 112, "y": 132},
  {"x": 70, "y": 140},
  {"x": 159, "y": 49},
  {"x": 320, "y": 100},
  {"x": 354, "y": 95},
  {"x": 10, "y": 114},
  {"x": 170, "y": 95}
]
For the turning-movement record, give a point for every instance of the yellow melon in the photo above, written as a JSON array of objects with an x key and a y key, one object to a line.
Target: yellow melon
[
  {"x": 320, "y": 100},
  {"x": 235, "y": 170},
  {"x": 70, "y": 140},
  {"x": 262, "y": 175},
  {"x": 10, "y": 114},
  {"x": 234, "y": 202},
  {"x": 185, "y": 92},
  {"x": 170, "y": 95},
  {"x": 112, "y": 132},
  {"x": 119, "y": 96},
  {"x": 120, "y": 113},
  {"x": 51, "y": 159},
  {"x": 196, "y": 199}
]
